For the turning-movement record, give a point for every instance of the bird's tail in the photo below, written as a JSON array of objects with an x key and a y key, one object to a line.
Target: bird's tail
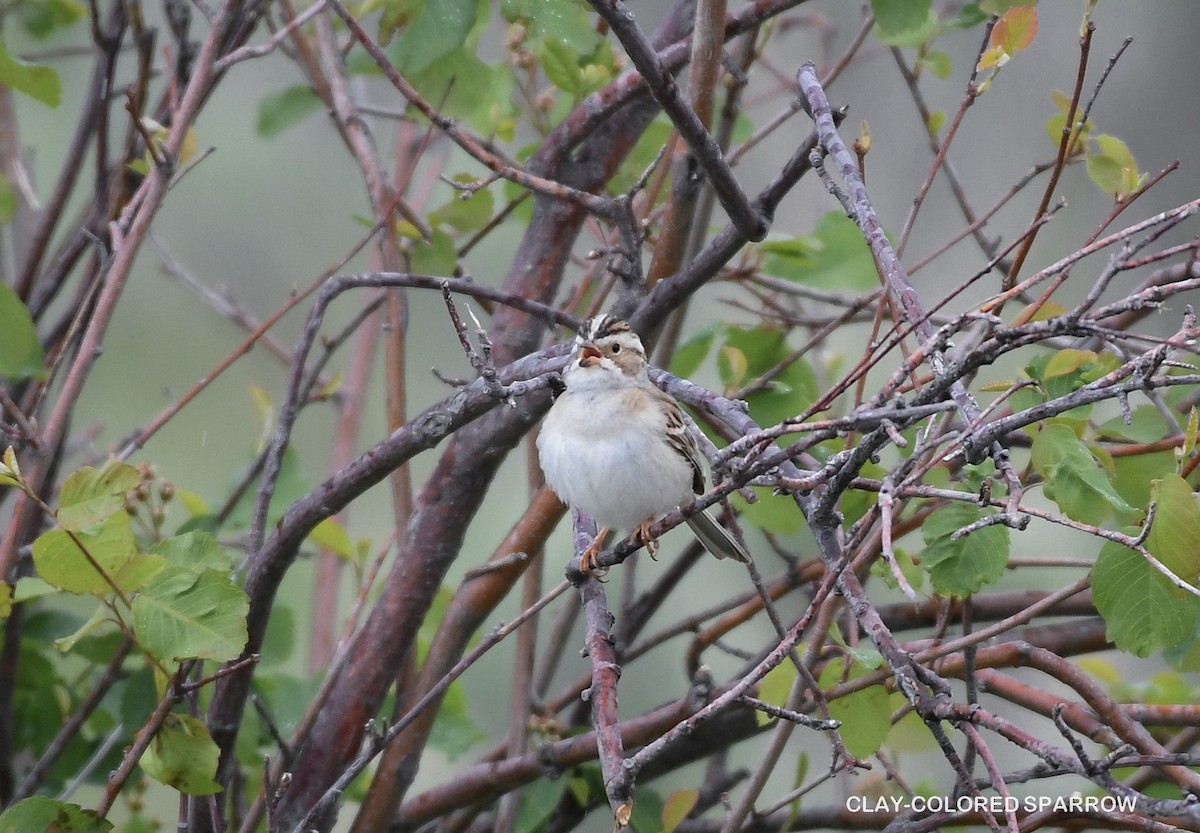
[{"x": 716, "y": 539}]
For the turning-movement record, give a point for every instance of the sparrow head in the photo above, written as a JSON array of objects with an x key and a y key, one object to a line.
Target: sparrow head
[{"x": 610, "y": 343}]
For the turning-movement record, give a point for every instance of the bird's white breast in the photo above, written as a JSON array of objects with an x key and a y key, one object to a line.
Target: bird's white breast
[{"x": 605, "y": 452}]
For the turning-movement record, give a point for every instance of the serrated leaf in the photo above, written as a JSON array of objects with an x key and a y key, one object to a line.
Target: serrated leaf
[
  {"x": 279, "y": 111},
  {"x": 39, "y": 813},
  {"x": 960, "y": 568},
  {"x": 186, "y": 614},
  {"x": 90, "y": 495},
  {"x": 38, "y": 82},
  {"x": 195, "y": 550},
  {"x": 20, "y": 349},
  {"x": 1073, "y": 478},
  {"x": 61, "y": 561},
  {"x": 183, "y": 755},
  {"x": 864, "y": 714},
  {"x": 1143, "y": 612}
]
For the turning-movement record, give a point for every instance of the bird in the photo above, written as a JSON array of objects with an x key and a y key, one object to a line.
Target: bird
[{"x": 618, "y": 449}]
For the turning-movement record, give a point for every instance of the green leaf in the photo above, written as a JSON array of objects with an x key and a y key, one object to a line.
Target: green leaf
[
  {"x": 183, "y": 756},
  {"x": 1112, "y": 167},
  {"x": 776, "y": 514},
  {"x": 1175, "y": 537},
  {"x": 561, "y": 65},
  {"x": 6, "y": 594},
  {"x": 279, "y": 111},
  {"x": 332, "y": 535},
  {"x": 185, "y": 614},
  {"x": 939, "y": 63},
  {"x": 904, "y": 22},
  {"x": 99, "y": 616},
  {"x": 29, "y": 588},
  {"x": 962, "y": 567},
  {"x": 61, "y": 561},
  {"x": 41, "y": 17},
  {"x": 1143, "y": 612},
  {"x": 1134, "y": 474},
  {"x": 538, "y": 802},
  {"x": 38, "y": 82},
  {"x": 564, "y": 20},
  {"x": 91, "y": 495},
  {"x": 196, "y": 550},
  {"x": 748, "y": 353},
  {"x": 439, "y": 29},
  {"x": 692, "y": 351},
  {"x": 8, "y": 200},
  {"x": 20, "y": 350},
  {"x": 436, "y": 257},
  {"x": 774, "y": 688},
  {"x": 455, "y": 731},
  {"x": 676, "y": 808},
  {"x": 864, "y": 714},
  {"x": 466, "y": 210},
  {"x": 834, "y": 257},
  {"x": 647, "y": 812},
  {"x": 644, "y": 152},
  {"x": 1074, "y": 480},
  {"x": 1056, "y": 123},
  {"x": 47, "y": 814}
]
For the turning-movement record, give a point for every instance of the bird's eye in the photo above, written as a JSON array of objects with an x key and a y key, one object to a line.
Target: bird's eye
[{"x": 616, "y": 348}]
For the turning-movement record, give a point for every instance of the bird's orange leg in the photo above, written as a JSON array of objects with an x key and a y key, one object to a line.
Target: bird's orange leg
[
  {"x": 641, "y": 534},
  {"x": 587, "y": 561}
]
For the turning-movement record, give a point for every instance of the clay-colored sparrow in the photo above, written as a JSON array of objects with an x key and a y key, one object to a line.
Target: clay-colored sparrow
[{"x": 618, "y": 449}]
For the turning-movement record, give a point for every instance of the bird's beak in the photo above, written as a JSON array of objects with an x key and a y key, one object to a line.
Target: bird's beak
[{"x": 589, "y": 355}]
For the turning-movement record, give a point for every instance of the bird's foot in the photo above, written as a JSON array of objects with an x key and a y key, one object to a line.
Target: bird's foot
[
  {"x": 587, "y": 560},
  {"x": 641, "y": 534}
]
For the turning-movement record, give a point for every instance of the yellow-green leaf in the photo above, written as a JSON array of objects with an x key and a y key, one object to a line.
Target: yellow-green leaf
[
  {"x": 676, "y": 808},
  {"x": 38, "y": 82},
  {"x": 184, "y": 614},
  {"x": 90, "y": 495},
  {"x": 20, "y": 349},
  {"x": 183, "y": 755},
  {"x": 69, "y": 560},
  {"x": 40, "y": 813},
  {"x": 864, "y": 714},
  {"x": 1112, "y": 167}
]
